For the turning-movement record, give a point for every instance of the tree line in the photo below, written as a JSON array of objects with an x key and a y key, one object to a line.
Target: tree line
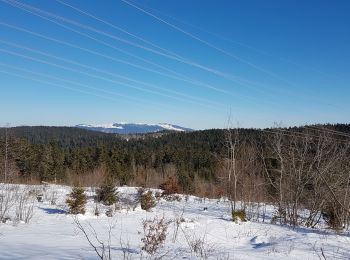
[{"x": 294, "y": 169}]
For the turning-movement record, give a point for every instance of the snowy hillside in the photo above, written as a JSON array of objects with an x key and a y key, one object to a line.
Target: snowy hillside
[
  {"x": 133, "y": 128},
  {"x": 196, "y": 229}
]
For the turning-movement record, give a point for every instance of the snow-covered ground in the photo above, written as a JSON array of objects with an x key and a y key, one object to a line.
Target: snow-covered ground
[{"x": 204, "y": 231}]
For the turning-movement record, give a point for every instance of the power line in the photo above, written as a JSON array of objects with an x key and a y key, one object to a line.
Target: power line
[
  {"x": 104, "y": 72},
  {"x": 297, "y": 134},
  {"x": 116, "y": 60},
  {"x": 96, "y": 53},
  {"x": 323, "y": 129},
  {"x": 227, "y": 39},
  {"x": 195, "y": 82},
  {"x": 183, "y": 60},
  {"x": 60, "y": 86},
  {"x": 175, "y": 57},
  {"x": 213, "y": 46},
  {"x": 115, "y": 27},
  {"x": 206, "y": 42},
  {"x": 91, "y": 75},
  {"x": 75, "y": 83}
]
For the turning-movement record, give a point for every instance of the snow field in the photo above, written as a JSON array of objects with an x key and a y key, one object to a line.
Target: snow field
[{"x": 197, "y": 229}]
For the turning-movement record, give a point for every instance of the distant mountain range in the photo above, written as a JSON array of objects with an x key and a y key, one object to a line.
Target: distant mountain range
[{"x": 133, "y": 128}]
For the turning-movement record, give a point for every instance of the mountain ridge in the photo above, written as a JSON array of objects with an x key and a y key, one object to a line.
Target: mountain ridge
[{"x": 133, "y": 128}]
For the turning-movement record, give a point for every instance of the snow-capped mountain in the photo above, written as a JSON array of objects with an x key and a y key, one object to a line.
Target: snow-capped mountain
[{"x": 133, "y": 128}]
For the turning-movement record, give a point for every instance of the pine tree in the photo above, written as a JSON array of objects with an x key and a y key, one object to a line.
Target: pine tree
[
  {"x": 107, "y": 193},
  {"x": 77, "y": 201},
  {"x": 147, "y": 201}
]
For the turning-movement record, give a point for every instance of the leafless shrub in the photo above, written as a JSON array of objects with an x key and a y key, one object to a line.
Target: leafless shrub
[
  {"x": 171, "y": 197},
  {"x": 25, "y": 206},
  {"x": 125, "y": 247},
  {"x": 177, "y": 222},
  {"x": 8, "y": 199},
  {"x": 154, "y": 235},
  {"x": 53, "y": 197},
  {"x": 102, "y": 248},
  {"x": 198, "y": 245},
  {"x": 96, "y": 210}
]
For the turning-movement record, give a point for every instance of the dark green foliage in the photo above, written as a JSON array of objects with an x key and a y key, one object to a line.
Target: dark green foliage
[
  {"x": 77, "y": 201},
  {"x": 147, "y": 200},
  {"x": 107, "y": 193},
  {"x": 239, "y": 215},
  {"x": 49, "y": 153}
]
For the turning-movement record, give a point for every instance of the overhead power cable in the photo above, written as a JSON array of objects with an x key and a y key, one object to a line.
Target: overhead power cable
[
  {"x": 93, "y": 75},
  {"x": 206, "y": 42},
  {"x": 175, "y": 57},
  {"x": 112, "y": 74}
]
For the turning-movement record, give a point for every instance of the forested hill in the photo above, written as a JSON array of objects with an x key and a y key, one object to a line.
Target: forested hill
[
  {"x": 46, "y": 153},
  {"x": 71, "y": 137},
  {"x": 65, "y": 137}
]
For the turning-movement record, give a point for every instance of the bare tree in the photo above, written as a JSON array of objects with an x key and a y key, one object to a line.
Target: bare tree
[
  {"x": 101, "y": 247},
  {"x": 232, "y": 146},
  {"x": 307, "y": 170},
  {"x": 6, "y": 154}
]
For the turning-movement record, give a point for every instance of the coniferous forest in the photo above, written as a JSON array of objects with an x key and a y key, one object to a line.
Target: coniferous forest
[{"x": 199, "y": 160}]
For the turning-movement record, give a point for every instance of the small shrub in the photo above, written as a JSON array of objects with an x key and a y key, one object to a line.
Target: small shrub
[
  {"x": 155, "y": 232},
  {"x": 77, "y": 201},
  {"x": 25, "y": 207},
  {"x": 53, "y": 198},
  {"x": 96, "y": 211},
  {"x": 332, "y": 216},
  {"x": 158, "y": 195},
  {"x": 109, "y": 212},
  {"x": 239, "y": 215},
  {"x": 117, "y": 206},
  {"x": 107, "y": 194},
  {"x": 172, "y": 197},
  {"x": 147, "y": 201},
  {"x": 280, "y": 216},
  {"x": 170, "y": 186},
  {"x": 40, "y": 197}
]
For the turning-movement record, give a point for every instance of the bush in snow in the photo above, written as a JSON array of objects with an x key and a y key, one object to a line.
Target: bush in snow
[
  {"x": 332, "y": 216},
  {"x": 96, "y": 210},
  {"x": 170, "y": 186},
  {"x": 109, "y": 212},
  {"x": 25, "y": 207},
  {"x": 239, "y": 215},
  {"x": 147, "y": 200},
  {"x": 77, "y": 200},
  {"x": 155, "y": 232},
  {"x": 8, "y": 199},
  {"x": 107, "y": 193}
]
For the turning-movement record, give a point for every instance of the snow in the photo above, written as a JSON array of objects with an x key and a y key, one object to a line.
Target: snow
[
  {"x": 107, "y": 126},
  {"x": 132, "y": 127},
  {"x": 171, "y": 127},
  {"x": 52, "y": 234}
]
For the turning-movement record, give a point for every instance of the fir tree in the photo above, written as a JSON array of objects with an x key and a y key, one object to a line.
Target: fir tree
[
  {"x": 77, "y": 201},
  {"x": 147, "y": 201},
  {"x": 107, "y": 193}
]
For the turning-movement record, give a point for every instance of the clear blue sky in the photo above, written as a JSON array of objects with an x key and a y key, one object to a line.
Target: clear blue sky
[{"x": 193, "y": 62}]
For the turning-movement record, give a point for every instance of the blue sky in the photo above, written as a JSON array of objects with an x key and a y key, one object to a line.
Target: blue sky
[{"x": 191, "y": 63}]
